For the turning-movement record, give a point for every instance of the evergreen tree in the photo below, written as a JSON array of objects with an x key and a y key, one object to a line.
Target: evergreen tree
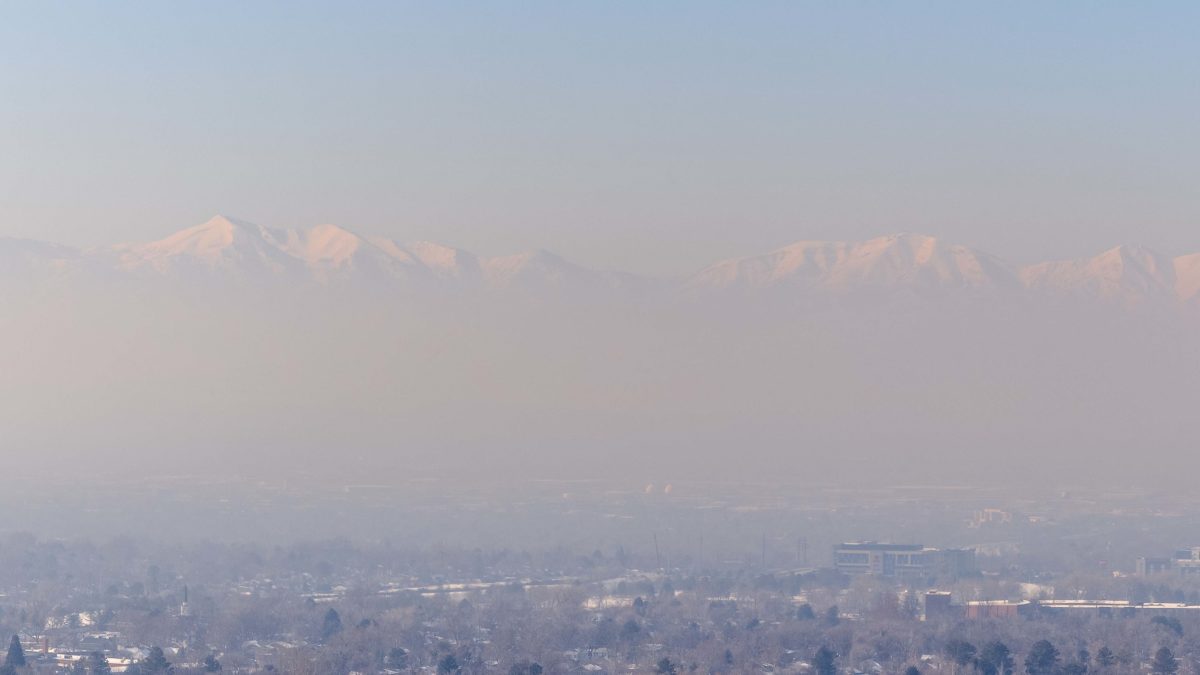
[
  {"x": 98, "y": 664},
  {"x": 912, "y": 670},
  {"x": 1164, "y": 662},
  {"x": 825, "y": 662},
  {"x": 1105, "y": 657},
  {"x": 331, "y": 625},
  {"x": 960, "y": 651},
  {"x": 1170, "y": 623},
  {"x": 996, "y": 659},
  {"x": 211, "y": 664},
  {"x": 639, "y": 606},
  {"x": 448, "y": 664},
  {"x": 665, "y": 667},
  {"x": 16, "y": 655},
  {"x": 156, "y": 662},
  {"x": 1042, "y": 659}
]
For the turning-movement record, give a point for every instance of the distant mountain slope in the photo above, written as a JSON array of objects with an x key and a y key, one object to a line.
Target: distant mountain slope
[
  {"x": 26, "y": 265},
  {"x": 1187, "y": 277},
  {"x": 903, "y": 261},
  {"x": 329, "y": 252},
  {"x": 229, "y": 249},
  {"x": 541, "y": 269},
  {"x": 445, "y": 262},
  {"x": 23, "y": 254},
  {"x": 1126, "y": 274},
  {"x": 221, "y": 245}
]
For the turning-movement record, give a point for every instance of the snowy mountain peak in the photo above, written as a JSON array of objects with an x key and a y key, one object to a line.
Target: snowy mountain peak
[
  {"x": 894, "y": 262},
  {"x": 439, "y": 262},
  {"x": 327, "y": 245},
  {"x": 221, "y": 243},
  {"x": 211, "y": 237},
  {"x": 1128, "y": 274}
]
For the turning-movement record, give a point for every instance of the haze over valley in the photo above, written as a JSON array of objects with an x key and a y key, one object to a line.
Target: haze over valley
[
  {"x": 595, "y": 338},
  {"x": 233, "y": 347}
]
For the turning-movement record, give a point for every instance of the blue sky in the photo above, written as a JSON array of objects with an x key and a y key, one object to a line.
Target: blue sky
[{"x": 640, "y": 136}]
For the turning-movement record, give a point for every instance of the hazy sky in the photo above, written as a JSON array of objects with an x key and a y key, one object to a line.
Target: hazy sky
[{"x": 642, "y": 136}]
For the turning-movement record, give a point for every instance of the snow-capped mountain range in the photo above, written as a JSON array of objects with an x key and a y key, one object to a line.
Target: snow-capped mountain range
[{"x": 226, "y": 248}]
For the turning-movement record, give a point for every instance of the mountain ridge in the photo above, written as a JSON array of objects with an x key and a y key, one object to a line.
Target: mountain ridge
[{"x": 226, "y": 247}]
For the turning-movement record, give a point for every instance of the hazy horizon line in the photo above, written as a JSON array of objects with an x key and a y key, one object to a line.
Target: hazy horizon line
[{"x": 372, "y": 237}]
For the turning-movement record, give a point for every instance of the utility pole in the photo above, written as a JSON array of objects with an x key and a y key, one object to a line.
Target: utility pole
[{"x": 657, "y": 554}]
